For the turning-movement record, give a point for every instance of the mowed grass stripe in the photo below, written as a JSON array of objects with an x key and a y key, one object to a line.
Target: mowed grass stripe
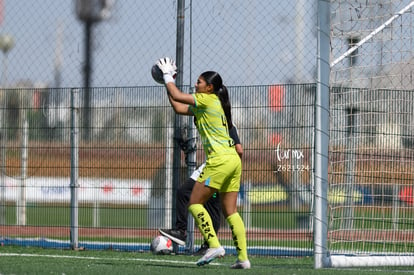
[{"x": 101, "y": 258}]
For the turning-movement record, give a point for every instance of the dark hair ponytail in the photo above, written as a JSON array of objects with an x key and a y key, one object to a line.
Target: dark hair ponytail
[
  {"x": 223, "y": 95},
  {"x": 221, "y": 91}
]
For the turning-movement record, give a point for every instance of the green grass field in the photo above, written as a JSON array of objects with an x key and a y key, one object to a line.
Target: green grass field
[
  {"x": 137, "y": 216},
  {"x": 30, "y": 260}
]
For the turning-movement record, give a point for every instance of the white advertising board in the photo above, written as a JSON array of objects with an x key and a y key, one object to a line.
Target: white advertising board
[{"x": 123, "y": 191}]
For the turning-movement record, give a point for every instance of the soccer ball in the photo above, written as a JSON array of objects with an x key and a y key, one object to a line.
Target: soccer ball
[
  {"x": 157, "y": 74},
  {"x": 161, "y": 245}
]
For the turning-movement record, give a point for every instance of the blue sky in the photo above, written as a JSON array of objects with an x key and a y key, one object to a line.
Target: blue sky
[{"x": 248, "y": 42}]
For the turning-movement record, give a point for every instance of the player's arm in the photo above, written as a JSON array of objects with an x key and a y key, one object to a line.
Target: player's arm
[
  {"x": 179, "y": 108},
  {"x": 178, "y": 100},
  {"x": 235, "y": 136},
  {"x": 239, "y": 149},
  {"x": 177, "y": 95}
]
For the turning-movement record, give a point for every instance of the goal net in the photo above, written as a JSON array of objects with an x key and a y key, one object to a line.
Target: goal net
[{"x": 371, "y": 153}]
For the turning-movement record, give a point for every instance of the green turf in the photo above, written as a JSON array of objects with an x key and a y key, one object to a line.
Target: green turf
[
  {"x": 29, "y": 260},
  {"x": 265, "y": 217},
  {"x": 137, "y": 216}
]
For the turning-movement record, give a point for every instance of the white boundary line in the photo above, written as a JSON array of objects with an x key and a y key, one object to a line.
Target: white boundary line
[{"x": 97, "y": 258}]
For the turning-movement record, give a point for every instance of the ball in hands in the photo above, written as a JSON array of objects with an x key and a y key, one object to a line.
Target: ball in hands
[{"x": 157, "y": 74}]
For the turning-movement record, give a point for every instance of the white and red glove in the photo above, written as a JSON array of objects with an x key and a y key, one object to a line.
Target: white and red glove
[{"x": 168, "y": 68}]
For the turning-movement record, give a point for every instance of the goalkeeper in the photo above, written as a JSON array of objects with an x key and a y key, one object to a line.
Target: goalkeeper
[
  {"x": 210, "y": 105},
  {"x": 179, "y": 234}
]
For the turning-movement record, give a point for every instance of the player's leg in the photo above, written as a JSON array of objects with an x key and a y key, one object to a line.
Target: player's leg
[
  {"x": 214, "y": 209},
  {"x": 213, "y": 206},
  {"x": 238, "y": 231},
  {"x": 179, "y": 233},
  {"x": 228, "y": 195},
  {"x": 199, "y": 196},
  {"x": 182, "y": 199}
]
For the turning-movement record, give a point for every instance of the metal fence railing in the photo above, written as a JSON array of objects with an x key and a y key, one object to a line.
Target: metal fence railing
[
  {"x": 270, "y": 58},
  {"x": 124, "y": 194},
  {"x": 122, "y": 166},
  {"x": 127, "y": 127}
]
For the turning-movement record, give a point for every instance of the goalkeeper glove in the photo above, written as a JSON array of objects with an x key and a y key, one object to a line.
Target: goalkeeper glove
[{"x": 168, "y": 68}]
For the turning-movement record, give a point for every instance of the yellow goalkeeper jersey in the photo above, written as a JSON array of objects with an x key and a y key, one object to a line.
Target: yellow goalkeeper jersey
[{"x": 211, "y": 124}]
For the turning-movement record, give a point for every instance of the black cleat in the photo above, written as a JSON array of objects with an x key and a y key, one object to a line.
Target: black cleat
[{"x": 175, "y": 235}]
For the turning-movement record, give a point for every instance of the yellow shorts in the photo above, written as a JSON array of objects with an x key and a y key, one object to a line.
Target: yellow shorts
[{"x": 222, "y": 173}]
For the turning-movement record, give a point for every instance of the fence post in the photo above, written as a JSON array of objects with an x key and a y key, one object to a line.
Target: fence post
[
  {"x": 3, "y": 159},
  {"x": 74, "y": 165},
  {"x": 177, "y": 118},
  {"x": 21, "y": 206},
  {"x": 191, "y": 167}
]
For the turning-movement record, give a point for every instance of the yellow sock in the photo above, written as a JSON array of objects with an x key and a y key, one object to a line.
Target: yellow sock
[
  {"x": 239, "y": 235},
  {"x": 204, "y": 223}
]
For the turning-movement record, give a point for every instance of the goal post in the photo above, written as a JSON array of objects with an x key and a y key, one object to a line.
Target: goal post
[
  {"x": 321, "y": 137},
  {"x": 366, "y": 215}
]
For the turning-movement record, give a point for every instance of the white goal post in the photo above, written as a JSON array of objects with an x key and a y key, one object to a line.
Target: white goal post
[{"x": 364, "y": 154}]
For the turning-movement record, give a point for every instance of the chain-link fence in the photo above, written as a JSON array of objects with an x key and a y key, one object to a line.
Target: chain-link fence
[
  {"x": 127, "y": 127},
  {"x": 125, "y": 169},
  {"x": 249, "y": 43},
  {"x": 266, "y": 52}
]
